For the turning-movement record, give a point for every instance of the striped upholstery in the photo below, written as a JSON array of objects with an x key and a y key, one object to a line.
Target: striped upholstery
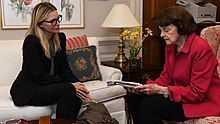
[{"x": 76, "y": 42}]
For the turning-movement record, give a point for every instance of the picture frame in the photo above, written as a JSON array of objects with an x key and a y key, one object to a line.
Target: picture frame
[
  {"x": 16, "y": 14},
  {"x": 72, "y": 12}
]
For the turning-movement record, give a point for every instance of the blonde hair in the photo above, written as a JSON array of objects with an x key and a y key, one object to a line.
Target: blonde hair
[{"x": 39, "y": 14}]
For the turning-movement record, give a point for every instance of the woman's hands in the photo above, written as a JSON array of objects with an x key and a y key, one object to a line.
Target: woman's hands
[
  {"x": 82, "y": 92},
  {"x": 132, "y": 90},
  {"x": 149, "y": 89}
]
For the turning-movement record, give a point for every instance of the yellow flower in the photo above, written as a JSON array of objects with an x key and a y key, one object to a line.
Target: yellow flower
[
  {"x": 150, "y": 32},
  {"x": 125, "y": 33},
  {"x": 135, "y": 34},
  {"x": 133, "y": 38}
]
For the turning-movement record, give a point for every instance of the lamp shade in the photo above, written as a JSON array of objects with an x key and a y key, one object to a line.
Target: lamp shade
[{"x": 120, "y": 17}]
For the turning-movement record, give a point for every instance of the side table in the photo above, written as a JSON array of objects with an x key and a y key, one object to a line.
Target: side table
[{"x": 136, "y": 73}]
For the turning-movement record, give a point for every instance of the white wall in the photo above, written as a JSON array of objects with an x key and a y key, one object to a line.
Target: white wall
[{"x": 95, "y": 13}]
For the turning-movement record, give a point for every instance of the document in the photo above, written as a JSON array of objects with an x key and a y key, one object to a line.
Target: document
[{"x": 124, "y": 83}]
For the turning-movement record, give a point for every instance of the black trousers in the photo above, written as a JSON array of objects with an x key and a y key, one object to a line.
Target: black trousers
[
  {"x": 153, "y": 109},
  {"x": 64, "y": 94}
]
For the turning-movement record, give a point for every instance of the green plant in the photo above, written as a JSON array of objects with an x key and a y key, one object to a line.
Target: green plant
[{"x": 134, "y": 44}]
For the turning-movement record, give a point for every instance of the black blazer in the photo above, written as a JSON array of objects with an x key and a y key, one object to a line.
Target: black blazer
[{"x": 35, "y": 72}]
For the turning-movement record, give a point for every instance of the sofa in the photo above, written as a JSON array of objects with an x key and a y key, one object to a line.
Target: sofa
[{"x": 10, "y": 65}]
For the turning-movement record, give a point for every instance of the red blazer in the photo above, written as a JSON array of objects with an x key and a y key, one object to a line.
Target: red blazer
[{"x": 192, "y": 77}]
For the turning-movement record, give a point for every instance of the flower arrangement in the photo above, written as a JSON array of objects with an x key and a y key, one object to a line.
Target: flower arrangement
[
  {"x": 21, "y": 7},
  {"x": 134, "y": 45}
]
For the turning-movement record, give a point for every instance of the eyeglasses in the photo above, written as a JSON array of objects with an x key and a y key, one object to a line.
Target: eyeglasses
[{"x": 54, "y": 21}]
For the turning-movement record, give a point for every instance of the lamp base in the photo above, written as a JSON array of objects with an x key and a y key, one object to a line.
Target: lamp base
[
  {"x": 121, "y": 61},
  {"x": 121, "y": 58}
]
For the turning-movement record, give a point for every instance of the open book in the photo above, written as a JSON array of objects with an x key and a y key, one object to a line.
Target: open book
[{"x": 124, "y": 83}]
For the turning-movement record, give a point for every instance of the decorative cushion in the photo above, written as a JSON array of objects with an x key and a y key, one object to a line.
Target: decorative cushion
[
  {"x": 76, "y": 42},
  {"x": 83, "y": 63}
]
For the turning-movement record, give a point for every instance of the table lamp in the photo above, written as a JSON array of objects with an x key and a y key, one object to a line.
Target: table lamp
[{"x": 120, "y": 17}]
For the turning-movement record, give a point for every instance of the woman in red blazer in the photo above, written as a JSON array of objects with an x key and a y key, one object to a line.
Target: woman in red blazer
[
  {"x": 46, "y": 77},
  {"x": 189, "y": 85}
]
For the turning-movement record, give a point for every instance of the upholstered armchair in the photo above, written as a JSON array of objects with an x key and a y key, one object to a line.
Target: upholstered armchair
[{"x": 212, "y": 35}]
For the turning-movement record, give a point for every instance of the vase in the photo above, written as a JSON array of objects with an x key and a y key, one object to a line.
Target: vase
[
  {"x": 23, "y": 17},
  {"x": 135, "y": 62}
]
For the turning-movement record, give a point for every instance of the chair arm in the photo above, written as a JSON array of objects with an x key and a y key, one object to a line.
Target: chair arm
[{"x": 110, "y": 73}]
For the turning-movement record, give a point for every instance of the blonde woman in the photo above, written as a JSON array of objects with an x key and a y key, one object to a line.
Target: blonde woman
[{"x": 45, "y": 77}]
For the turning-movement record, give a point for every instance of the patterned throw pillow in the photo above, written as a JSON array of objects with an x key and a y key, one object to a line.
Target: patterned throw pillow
[
  {"x": 76, "y": 42},
  {"x": 83, "y": 63}
]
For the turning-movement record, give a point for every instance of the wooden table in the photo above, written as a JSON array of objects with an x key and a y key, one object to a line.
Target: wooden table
[
  {"x": 137, "y": 74},
  {"x": 59, "y": 121}
]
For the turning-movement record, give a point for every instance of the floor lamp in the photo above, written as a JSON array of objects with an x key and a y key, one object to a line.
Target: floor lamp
[{"x": 120, "y": 17}]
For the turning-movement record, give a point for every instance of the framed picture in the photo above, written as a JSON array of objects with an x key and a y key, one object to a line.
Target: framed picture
[
  {"x": 72, "y": 12},
  {"x": 16, "y": 14}
]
